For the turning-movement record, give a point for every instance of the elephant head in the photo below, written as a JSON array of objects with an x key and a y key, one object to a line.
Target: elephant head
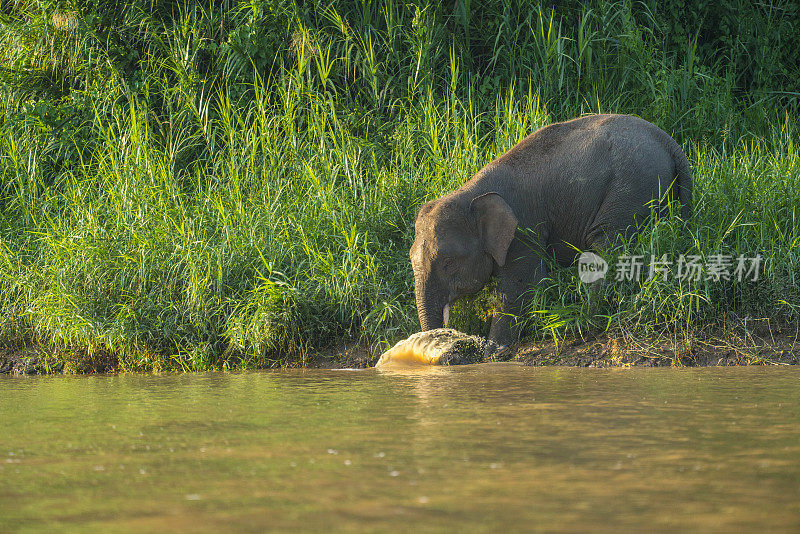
[{"x": 458, "y": 241}]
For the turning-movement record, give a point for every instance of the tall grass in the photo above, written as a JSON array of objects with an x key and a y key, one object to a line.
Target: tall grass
[{"x": 210, "y": 185}]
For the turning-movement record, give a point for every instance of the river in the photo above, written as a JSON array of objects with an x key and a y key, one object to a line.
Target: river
[{"x": 475, "y": 448}]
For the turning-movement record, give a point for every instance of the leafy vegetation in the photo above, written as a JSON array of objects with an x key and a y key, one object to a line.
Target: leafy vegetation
[{"x": 199, "y": 184}]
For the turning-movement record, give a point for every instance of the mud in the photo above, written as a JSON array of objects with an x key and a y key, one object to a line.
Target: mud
[
  {"x": 762, "y": 346},
  {"x": 770, "y": 346},
  {"x": 28, "y": 359},
  {"x": 609, "y": 351}
]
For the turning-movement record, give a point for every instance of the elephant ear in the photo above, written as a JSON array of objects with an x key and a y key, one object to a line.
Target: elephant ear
[{"x": 497, "y": 224}]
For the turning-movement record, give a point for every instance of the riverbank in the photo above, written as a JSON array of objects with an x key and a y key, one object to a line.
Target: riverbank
[
  {"x": 777, "y": 348},
  {"x": 763, "y": 346},
  {"x": 234, "y": 185}
]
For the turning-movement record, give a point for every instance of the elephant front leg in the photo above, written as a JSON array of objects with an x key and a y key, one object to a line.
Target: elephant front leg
[
  {"x": 505, "y": 322},
  {"x": 514, "y": 283}
]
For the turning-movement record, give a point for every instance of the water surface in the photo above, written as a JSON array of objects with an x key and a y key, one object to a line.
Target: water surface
[{"x": 476, "y": 448}]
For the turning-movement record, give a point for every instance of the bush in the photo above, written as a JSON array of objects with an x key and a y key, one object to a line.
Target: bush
[{"x": 192, "y": 184}]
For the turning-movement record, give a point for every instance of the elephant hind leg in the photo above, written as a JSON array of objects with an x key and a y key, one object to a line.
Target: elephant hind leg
[
  {"x": 602, "y": 243},
  {"x": 604, "y": 240}
]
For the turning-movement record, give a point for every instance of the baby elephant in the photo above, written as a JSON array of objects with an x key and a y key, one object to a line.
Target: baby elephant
[{"x": 578, "y": 183}]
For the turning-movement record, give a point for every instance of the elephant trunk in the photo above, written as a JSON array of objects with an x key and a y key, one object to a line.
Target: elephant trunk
[{"x": 430, "y": 308}]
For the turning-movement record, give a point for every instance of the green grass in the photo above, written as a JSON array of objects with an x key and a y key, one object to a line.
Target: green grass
[{"x": 200, "y": 185}]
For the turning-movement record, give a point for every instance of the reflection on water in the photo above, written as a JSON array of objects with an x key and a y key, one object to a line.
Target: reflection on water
[{"x": 475, "y": 448}]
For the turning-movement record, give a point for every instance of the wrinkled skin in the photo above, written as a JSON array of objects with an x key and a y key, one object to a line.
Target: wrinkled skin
[{"x": 579, "y": 183}]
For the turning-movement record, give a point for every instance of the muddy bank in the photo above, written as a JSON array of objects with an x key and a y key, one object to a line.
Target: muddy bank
[
  {"x": 775, "y": 347},
  {"x": 28, "y": 359},
  {"x": 31, "y": 358},
  {"x": 769, "y": 347}
]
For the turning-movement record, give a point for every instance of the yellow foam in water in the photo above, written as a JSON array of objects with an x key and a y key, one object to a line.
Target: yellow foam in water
[
  {"x": 413, "y": 350},
  {"x": 428, "y": 348}
]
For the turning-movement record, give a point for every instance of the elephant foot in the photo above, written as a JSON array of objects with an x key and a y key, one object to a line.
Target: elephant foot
[{"x": 496, "y": 352}]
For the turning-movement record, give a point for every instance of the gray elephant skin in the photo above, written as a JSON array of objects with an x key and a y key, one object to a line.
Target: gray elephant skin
[{"x": 575, "y": 184}]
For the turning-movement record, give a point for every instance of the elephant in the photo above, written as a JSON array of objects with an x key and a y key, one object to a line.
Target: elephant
[{"x": 573, "y": 185}]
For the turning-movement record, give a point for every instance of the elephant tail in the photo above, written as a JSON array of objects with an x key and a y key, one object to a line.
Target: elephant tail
[{"x": 682, "y": 188}]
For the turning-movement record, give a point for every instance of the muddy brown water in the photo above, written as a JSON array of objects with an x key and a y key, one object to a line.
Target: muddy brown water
[{"x": 487, "y": 447}]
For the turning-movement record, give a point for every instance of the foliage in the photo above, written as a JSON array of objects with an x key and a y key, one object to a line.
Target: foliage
[{"x": 200, "y": 184}]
